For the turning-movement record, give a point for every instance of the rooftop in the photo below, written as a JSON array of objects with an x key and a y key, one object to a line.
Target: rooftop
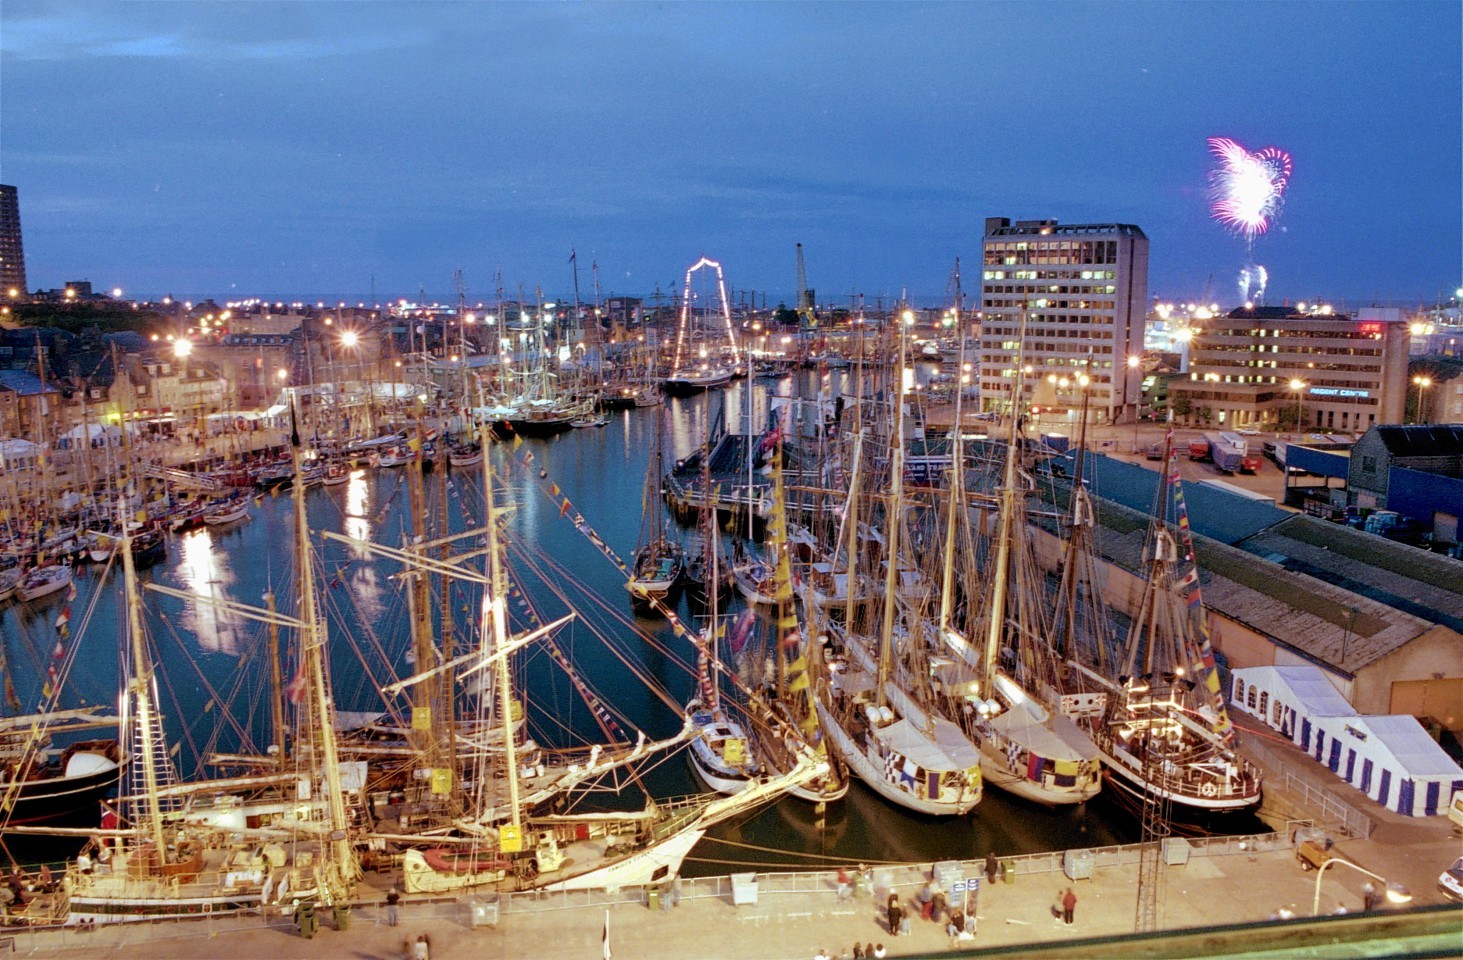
[{"x": 1422, "y": 440}]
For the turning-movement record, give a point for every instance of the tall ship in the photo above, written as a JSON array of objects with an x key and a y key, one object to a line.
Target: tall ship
[
  {"x": 1005, "y": 683},
  {"x": 523, "y": 841},
  {"x": 1155, "y": 709},
  {"x": 706, "y": 354},
  {"x": 169, "y": 861},
  {"x": 872, "y": 707}
]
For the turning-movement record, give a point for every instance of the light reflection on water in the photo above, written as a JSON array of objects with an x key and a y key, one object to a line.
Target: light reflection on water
[
  {"x": 601, "y": 472},
  {"x": 206, "y": 572}
]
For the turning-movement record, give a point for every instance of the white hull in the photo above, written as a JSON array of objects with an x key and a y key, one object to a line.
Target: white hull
[
  {"x": 638, "y": 868},
  {"x": 655, "y": 862},
  {"x": 860, "y": 764},
  {"x": 716, "y": 781},
  {"x": 30, "y": 589},
  {"x": 998, "y": 773}
]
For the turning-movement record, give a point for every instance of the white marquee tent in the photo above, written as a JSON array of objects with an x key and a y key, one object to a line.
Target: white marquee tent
[{"x": 1389, "y": 758}]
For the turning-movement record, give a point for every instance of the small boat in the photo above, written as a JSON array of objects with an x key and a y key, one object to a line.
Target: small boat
[
  {"x": 188, "y": 517},
  {"x": 336, "y": 472},
  {"x": 43, "y": 581},
  {"x": 464, "y": 454},
  {"x": 685, "y": 383},
  {"x": 754, "y": 580},
  {"x": 721, "y": 754},
  {"x": 395, "y": 457},
  {"x": 9, "y": 580},
  {"x": 655, "y": 576},
  {"x": 589, "y": 420},
  {"x": 148, "y": 548},
  {"x": 227, "y": 511}
]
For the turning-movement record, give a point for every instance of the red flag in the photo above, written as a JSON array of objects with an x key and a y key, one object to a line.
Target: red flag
[{"x": 296, "y": 689}]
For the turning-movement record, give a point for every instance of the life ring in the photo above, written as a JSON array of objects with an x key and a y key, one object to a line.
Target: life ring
[{"x": 1209, "y": 790}]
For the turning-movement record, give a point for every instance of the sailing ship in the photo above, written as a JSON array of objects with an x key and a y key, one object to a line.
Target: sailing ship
[
  {"x": 1158, "y": 715},
  {"x": 910, "y": 755},
  {"x": 656, "y": 569},
  {"x": 702, "y": 361},
  {"x": 526, "y": 847},
  {"x": 1006, "y": 688},
  {"x": 169, "y": 863},
  {"x": 797, "y": 665}
]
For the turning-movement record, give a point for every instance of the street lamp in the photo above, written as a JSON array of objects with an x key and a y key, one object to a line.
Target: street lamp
[
  {"x": 1299, "y": 386},
  {"x": 1396, "y": 892},
  {"x": 1423, "y": 383}
]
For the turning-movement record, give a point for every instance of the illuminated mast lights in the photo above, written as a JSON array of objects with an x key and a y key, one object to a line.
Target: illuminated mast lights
[{"x": 731, "y": 337}]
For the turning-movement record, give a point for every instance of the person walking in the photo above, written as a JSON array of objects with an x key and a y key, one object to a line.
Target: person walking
[
  {"x": 392, "y": 899},
  {"x": 845, "y": 885},
  {"x": 992, "y": 867},
  {"x": 1069, "y": 904},
  {"x": 893, "y": 912},
  {"x": 422, "y": 949},
  {"x": 926, "y": 898}
]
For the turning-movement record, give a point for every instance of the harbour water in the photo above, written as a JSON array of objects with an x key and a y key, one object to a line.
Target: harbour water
[{"x": 213, "y": 675}]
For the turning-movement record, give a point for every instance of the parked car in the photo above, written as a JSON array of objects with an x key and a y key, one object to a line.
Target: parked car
[{"x": 1450, "y": 882}]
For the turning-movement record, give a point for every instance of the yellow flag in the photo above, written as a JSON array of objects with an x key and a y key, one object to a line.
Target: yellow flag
[
  {"x": 421, "y": 718},
  {"x": 734, "y": 750},
  {"x": 441, "y": 781},
  {"x": 510, "y": 838}
]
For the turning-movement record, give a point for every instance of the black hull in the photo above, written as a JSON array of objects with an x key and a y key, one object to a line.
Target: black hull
[
  {"x": 62, "y": 800},
  {"x": 1184, "y": 819},
  {"x": 533, "y": 428},
  {"x": 682, "y": 388}
]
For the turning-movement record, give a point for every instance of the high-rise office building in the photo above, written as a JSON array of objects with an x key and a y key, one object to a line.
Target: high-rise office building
[
  {"x": 12, "y": 253},
  {"x": 1084, "y": 291},
  {"x": 1261, "y": 366}
]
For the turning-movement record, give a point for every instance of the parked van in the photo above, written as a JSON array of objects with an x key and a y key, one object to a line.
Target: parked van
[{"x": 1455, "y": 811}]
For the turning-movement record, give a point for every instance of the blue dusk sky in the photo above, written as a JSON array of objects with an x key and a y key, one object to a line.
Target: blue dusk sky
[{"x": 234, "y": 149}]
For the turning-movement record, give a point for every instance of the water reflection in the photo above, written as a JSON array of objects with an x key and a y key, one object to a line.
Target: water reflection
[
  {"x": 205, "y": 572},
  {"x": 357, "y": 524},
  {"x": 367, "y": 586}
]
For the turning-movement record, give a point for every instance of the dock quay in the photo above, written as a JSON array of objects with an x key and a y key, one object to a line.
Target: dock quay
[{"x": 1231, "y": 888}]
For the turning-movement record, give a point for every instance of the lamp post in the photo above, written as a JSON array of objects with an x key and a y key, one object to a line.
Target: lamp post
[
  {"x": 1299, "y": 386},
  {"x": 1396, "y": 893},
  {"x": 1423, "y": 382}
]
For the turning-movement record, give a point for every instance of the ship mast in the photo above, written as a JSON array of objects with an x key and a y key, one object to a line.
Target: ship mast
[
  {"x": 957, "y": 477},
  {"x": 894, "y": 516},
  {"x": 1002, "y": 573},
  {"x": 147, "y": 719},
  {"x": 312, "y": 652},
  {"x": 495, "y": 607}
]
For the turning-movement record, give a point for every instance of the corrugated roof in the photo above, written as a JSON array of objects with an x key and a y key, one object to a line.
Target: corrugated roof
[
  {"x": 1213, "y": 512},
  {"x": 1422, "y": 439},
  {"x": 1325, "y": 622},
  {"x": 1427, "y": 585}
]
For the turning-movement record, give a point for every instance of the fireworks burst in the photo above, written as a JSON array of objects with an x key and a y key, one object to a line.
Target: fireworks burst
[{"x": 1246, "y": 187}]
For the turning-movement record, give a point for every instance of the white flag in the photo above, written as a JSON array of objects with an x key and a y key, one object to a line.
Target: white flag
[{"x": 605, "y": 939}]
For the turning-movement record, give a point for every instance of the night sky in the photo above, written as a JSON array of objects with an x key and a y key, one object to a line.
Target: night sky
[{"x": 297, "y": 150}]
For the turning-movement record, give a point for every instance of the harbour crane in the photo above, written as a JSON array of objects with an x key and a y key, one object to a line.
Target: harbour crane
[{"x": 807, "y": 318}]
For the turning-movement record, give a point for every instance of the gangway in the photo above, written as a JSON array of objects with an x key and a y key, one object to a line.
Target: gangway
[{"x": 183, "y": 478}]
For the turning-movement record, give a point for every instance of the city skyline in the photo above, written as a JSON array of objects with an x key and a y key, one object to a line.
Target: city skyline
[{"x": 307, "y": 150}]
